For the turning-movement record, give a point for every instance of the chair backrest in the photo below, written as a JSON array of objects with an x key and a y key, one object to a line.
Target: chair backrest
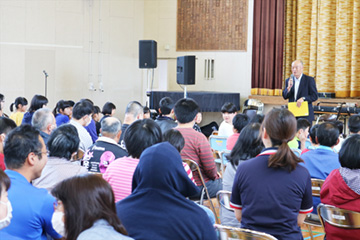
[
  {"x": 230, "y": 233},
  {"x": 223, "y": 198},
  {"x": 218, "y": 143},
  {"x": 338, "y": 217},
  {"x": 316, "y": 185}
]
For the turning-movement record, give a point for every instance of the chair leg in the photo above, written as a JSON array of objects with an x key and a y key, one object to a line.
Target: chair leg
[
  {"x": 202, "y": 196},
  {"x": 310, "y": 232}
]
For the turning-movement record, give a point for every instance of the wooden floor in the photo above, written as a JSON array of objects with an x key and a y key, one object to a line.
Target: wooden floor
[{"x": 318, "y": 233}]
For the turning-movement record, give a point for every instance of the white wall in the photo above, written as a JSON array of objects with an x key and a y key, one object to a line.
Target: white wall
[{"x": 62, "y": 38}]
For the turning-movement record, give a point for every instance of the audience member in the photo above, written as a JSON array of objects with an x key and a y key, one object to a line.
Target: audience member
[
  {"x": 2, "y": 105},
  {"x": 6, "y": 125},
  {"x": 138, "y": 136},
  {"x": 25, "y": 157},
  {"x": 82, "y": 112},
  {"x": 91, "y": 127},
  {"x": 44, "y": 121},
  {"x": 106, "y": 149},
  {"x": 340, "y": 125},
  {"x": 62, "y": 112},
  {"x": 354, "y": 124},
  {"x": 321, "y": 161},
  {"x": 341, "y": 187},
  {"x": 272, "y": 192},
  {"x": 108, "y": 110},
  {"x": 96, "y": 118},
  {"x": 166, "y": 114},
  {"x": 228, "y": 113},
  {"x": 302, "y": 132},
  {"x": 63, "y": 145},
  {"x": 312, "y": 138},
  {"x": 258, "y": 118},
  {"x": 160, "y": 187},
  {"x": 239, "y": 122},
  {"x": 134, "y": 111},
  {"x": 37, "y": 102},
  {"x": 248, "y": 146},
  {"x": 85, "y": 210},
  {"x": 20, "y": 107},
  {"x": 147, "y": 113},
  {"x": 197, "y": 147}
]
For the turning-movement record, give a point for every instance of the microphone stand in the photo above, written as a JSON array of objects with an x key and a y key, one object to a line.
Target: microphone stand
[{"x": 46, "y": 76}]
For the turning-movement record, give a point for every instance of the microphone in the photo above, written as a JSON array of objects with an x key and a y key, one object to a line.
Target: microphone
[{"x": 46, "y": 75}]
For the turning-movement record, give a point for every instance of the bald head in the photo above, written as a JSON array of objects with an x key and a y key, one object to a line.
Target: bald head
[{"x": 110, "y": 127}]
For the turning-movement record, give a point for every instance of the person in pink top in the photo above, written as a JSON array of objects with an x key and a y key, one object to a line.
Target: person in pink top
[
  {"x": 138, "y": 136},
  {"x": 239, "y": 122}
]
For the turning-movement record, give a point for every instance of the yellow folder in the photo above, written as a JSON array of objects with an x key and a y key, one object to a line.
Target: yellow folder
[{"x": 301, "y": 111}]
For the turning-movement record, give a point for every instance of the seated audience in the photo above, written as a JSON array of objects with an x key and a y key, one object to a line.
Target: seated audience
[
  {"x": 134, "y": 111},
  {"x": 108, "y": 110},
  {"x": 96, "y": 118},
  {"x": 228, "y": 113},
  {"x": 166, "y": 114},
  {"x": 248, "y": 146},
  {"x": 2, "y": 105},
  {"x": 303, "y": 126},
  {"x": 62, "y": 112},
  {"x": 6, "y": 125},
  {"x": 138, "y": 136},
  {"x": 272, "y": 192},
  {"x": 44, "y": 121},
  {"x": 354, "y": 124},
  {"x": 37, "y": 102},
  {"x": 341, "y": 187},
  {"x": 147, "y": 113},
  {"x": 340, "y": 125},
  {"x": 63, "y": 145},
  {"x": 258, "y": 118},
  {"x": 85, "y": 210},
  {"x": 239, "y": 122},
  {"x": 91, "y": 127},
  {"x": 106, "y": 148},
  {"x": 312, "y": 138},
  {"x": 25, "y": 157},
  {"x": 160, "y": 187},
  {"x": 20, "y": 107},
  {"x": 81, "y": 117},
  {"x": 321, "y": 161},
  {"x": 197, "y": 147}
]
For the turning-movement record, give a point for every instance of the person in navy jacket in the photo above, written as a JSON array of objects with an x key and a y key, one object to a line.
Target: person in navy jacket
[{"x": 300, "y": 87}]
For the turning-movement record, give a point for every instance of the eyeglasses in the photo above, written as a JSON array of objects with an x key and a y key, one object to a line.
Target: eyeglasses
[{"x": 46, "y": 152}]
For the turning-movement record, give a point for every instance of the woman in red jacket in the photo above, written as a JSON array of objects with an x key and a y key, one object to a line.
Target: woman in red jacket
[{"x": 342, "y": 187}]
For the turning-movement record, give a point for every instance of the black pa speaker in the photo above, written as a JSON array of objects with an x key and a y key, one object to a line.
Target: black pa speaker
[
  {"x": 185, "y": 70},
  {"x": 147, "y": 54}
]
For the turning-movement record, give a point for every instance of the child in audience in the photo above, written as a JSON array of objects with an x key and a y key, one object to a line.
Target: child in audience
[
  {"x": 85, "y": 210},
  {"x": 157, "y": 207},
  {"x": 302, "y": 132},
  {"x": 147, "y": 113},
  {"x": 21, "y": 106},
  {"x": 312, "y": 137},
  {"x": 248, "y": 146},
  {"x": 62, "y": 112},
  {"x": 272, "y": 192},
  {"x": 140, "y": 135},
  {"x": 108, "y": 110},
  {"x": 228, "y": 113},
  {"x": 96, "y": 118},
  {"x": 239, "y": 122},
  {"x": 341, "y": 187},
  {"x": 37, "y": 102},
  {"x": 5, "y": 205}
]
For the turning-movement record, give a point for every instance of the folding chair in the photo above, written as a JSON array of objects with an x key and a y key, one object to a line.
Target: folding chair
[
  {"x": 195, "y": 167},
  {"x": 223, "y": 198},
  {"x": 230, "y": 233},
  {"x": 218, "y": 144},
  {"x": 224, "y": 160},
  {"x": 311, "y": 219},
  {"x": 338, "y": 217}
]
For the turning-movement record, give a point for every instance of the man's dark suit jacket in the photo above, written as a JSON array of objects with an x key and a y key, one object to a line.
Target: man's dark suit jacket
[{"x": 307, "y": 89}]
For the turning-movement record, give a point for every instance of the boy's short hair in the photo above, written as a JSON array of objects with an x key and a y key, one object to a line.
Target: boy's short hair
[
  {"x": 166, "y": 105},
  {"x": 313, "y": 133},
  {"x": 228, "y": 107},
  {"x": 302, "y": 123},
  {"x": 185, "y": 110},
  {"x": 354, "y": 123},
  {"x": 240, "y": 121},
  {"x": 327, "y": 134}
]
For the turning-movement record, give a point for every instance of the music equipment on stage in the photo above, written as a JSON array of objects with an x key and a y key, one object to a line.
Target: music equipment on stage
[
  {"x": 185, "y": 70},
  {"x": 147, "y": 54}
]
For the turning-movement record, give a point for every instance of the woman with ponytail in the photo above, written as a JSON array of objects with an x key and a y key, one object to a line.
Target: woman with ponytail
[
  {"x": 20, "y": 105},
  {"x": 272, "y": 192}
]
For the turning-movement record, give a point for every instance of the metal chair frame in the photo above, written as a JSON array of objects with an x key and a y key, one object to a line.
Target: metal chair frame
[
  {"x": 223, "y": 198},
  {"x": 195, "y": 167},
  {"x": 230, "y": 233},
  {"x": 338, "y": 217},
  {"x": 316, "y": 185}
]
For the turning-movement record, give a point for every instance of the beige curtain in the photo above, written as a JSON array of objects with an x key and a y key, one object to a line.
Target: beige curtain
[{"x": 325, "y": 35}]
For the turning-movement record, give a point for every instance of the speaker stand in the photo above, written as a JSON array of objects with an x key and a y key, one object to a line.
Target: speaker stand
[{"x": 185, "y": 92}]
